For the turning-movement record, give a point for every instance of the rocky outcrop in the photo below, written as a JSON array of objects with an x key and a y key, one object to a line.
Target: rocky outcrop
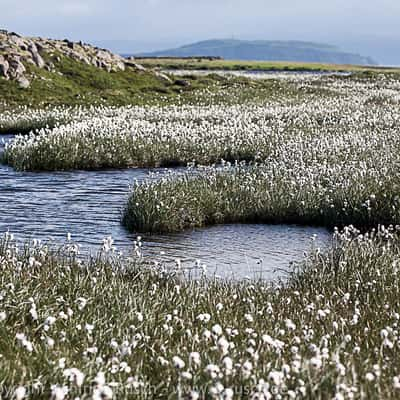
[{"x": 17, "y": 51}]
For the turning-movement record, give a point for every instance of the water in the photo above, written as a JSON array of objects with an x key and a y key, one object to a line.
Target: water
[
  {"x": 88, "y": 204},
  {"x": 259, "y": 74}
]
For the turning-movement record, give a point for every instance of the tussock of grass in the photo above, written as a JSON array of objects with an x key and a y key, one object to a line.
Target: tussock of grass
[{"x": 331, "y": 330}]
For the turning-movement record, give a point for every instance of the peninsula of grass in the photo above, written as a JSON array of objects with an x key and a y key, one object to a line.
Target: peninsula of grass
[
  {"x": 266, "y": 194},
  {"x": 114, "y": 327}
]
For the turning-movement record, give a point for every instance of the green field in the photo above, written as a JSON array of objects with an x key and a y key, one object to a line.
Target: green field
[{"x": 204, "y": 64}]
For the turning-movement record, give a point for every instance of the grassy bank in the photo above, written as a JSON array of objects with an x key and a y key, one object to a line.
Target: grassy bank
[
  {"x": 103, "y": 328},
  {"x": 241, "y": 65},
  {"x": 75, "y": 83}
]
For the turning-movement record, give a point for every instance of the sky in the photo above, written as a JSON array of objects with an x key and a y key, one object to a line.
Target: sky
[{"x": 368, "y": 27}]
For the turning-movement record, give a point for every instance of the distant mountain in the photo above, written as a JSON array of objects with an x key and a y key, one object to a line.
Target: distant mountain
[{"x": 232, "y": 49}]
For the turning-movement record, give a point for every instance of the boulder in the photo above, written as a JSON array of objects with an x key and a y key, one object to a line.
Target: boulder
[
  {"x": 36, "y": 57},
  {"x": 23, "y": 82},
  {"x": 4, "y": 66},
  {"x": 18, "y": 41},
  {"x": 16, "y": 68},
  {"x": 163, "y": 77},
  {"x": 120, "y": 65},
  {"x": 129, "y": 62},
  {"x": 182, "y": 82}
]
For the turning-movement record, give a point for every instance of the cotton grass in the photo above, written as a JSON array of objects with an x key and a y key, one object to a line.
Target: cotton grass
[{"x": 112, "y": 326}]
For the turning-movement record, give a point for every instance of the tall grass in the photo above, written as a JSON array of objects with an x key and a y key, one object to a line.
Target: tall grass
[
  {"x": 322, "y": 179},
  {"x": 114, "y": 326},
  {"x": 151, "y": 136}
]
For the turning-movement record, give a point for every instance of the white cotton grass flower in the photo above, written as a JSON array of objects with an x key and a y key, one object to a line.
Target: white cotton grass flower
[
  {"x": 223, "y": 345},
  {"x": 59, "y": 392},
  {"x": 212, "y": 370},
  {"x": 103, "y": 393},
  {"x": 227, "y": 365},
  {"x": 195, "y": 359},
  {"x": 74, "y": 376},
  {"x": 178, "y": 362},
  {"x": 82, "y": 302},
  {"x": 108, "y": 244},
  {"x": 316, "y": 362},
  {"x": 276, "y": 377},
  {"x": 100, "y": 379},
  {"x": 50, "y": 342},
  {"x": 186, "y": 375},
  {"x": 396, "y": 382},
  {"x": 369, "y": 376},
  {"x": 228, "y": 394},
  {"x": 24, "y": 342},
  {"x": 247, "y": 368},
  {"x": 193, "y": 395},
  {"x": 217, "y": 330},
  {"x": 20, "y": 393}
]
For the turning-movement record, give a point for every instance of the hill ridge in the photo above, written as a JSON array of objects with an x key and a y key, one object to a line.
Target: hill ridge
[{"x": 265, "y": 50}]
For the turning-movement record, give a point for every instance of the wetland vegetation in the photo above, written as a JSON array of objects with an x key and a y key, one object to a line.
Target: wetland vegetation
[{"x": 320, "y": 150}]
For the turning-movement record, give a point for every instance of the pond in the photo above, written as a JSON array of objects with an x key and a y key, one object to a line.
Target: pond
[{"x": 88, "y": 205}]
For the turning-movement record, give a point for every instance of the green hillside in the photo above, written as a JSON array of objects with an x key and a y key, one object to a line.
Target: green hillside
[{"x": 231, "y": 49}]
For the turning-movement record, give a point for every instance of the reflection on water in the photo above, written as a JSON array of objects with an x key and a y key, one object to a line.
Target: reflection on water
[
  {"x": 88, "y": 204},
  {"x": 240, "y": 251}
]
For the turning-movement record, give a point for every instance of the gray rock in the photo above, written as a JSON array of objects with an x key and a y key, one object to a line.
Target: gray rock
[
  {"x": 23, "y": 82},
  {"x": 4, "y": 66},
  {"x": 17, "y": 51},
  {"x": 36, "y": 57},
  {"x": 16, "y": 69},
  {"x": 129, "y": 62},
  {"x": 119, "y": 65},
  {"x": 182, "y": 82},
  {"x": 163, "y": 77},
  {"x": 18, "y": 41}
]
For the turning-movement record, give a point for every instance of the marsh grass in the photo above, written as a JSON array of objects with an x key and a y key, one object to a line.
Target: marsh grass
[
  {"x": 265, "y": 194},
  {"x": 332, "y": 329}
]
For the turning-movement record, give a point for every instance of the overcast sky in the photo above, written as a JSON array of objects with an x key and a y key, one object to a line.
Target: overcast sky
[{"x": 370, "y": 27}]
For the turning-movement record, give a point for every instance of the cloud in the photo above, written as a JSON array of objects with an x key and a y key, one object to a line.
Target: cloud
[
  {"x": 182, "y": 21},
  {"x": 74, "y": 9}
]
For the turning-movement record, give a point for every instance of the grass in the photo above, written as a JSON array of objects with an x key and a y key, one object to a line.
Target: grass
[
  {"x": 327, "y": 152},
  {"x": 239, "y": 65},
  {"x": 75, "y": 83},
  {"x": 232, "y": 120},
  {"x": 319, "y": 163},
  {"x": 112, "y": 325},
  {"x": 146, "y": 136},
  {"x": 274, "y": 193}
]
